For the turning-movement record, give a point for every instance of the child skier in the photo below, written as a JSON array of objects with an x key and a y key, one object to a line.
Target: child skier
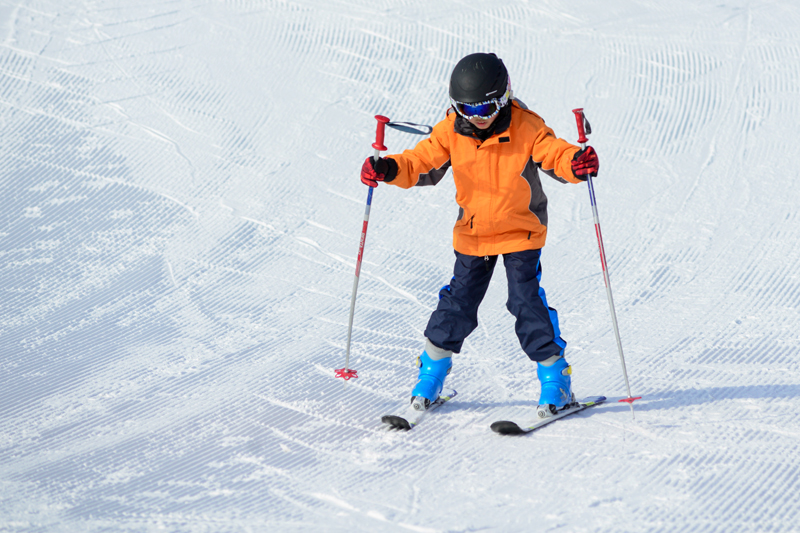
[{"x": 496, "y": 148}]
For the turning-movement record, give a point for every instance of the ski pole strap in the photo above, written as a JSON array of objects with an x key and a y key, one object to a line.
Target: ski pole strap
[{"x": 409, "y": 127}]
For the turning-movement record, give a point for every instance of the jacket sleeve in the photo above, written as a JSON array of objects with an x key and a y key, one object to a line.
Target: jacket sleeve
[
  {"x": 427, "y": 162},
  {"x": 554, "y": 155}
]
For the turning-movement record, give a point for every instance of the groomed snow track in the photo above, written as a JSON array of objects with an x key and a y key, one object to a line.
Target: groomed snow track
[{"x": 179, "y": 219}]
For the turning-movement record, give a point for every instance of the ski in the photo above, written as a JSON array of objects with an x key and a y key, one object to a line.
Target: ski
[
  {"x": 410, "y": 417},
  {"x": 506, "y": 427}
]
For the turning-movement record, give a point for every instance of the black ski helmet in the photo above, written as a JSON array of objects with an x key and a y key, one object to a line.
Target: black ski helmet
[{"x": 478, "y": 78}]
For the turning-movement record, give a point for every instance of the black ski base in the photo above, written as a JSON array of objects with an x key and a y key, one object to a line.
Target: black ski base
[
  {"x": 396, "y": 422},
  {"x": 505, "y": 427}
]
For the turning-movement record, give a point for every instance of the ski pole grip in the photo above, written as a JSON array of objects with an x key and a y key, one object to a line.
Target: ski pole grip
[
  {"x": 581, "y": 120},
  {"x": 379, "y": 133}
]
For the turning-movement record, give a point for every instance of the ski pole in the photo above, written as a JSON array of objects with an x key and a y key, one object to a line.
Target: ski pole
[
  {"x": 583, "y": 129},
  {"x": 346, "y": 373}
]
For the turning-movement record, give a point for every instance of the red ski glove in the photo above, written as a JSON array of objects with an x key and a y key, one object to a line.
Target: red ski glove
[
  {"x": 384, "y": 169},
  {"x": 585, "y": 163}
]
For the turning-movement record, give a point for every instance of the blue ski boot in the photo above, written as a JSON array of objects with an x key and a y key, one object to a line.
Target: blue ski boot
[
  {"x": 556, "y": 383},
  {"x": 432, "y": 373}
]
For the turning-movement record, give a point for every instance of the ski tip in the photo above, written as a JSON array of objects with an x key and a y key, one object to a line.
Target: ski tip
[
  {"x": 396, "y": 422},
  {"x": 504, "y": 427}
]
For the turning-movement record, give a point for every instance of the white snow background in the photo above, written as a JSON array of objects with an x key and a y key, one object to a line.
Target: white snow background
[{"x": 180, "y": 212}]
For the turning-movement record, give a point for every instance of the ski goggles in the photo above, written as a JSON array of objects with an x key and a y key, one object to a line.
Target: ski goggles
[{"x": 483, "y": 110}]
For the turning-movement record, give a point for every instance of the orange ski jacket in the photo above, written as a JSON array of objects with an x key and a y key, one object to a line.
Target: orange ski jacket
[{"x": 502, "y": 206}]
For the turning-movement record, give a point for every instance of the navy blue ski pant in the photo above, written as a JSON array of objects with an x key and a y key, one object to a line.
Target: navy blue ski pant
[{"x": 457, "y": 313}]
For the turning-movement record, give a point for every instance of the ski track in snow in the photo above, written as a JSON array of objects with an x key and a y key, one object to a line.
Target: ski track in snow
[{"x": 180, "y": 221}]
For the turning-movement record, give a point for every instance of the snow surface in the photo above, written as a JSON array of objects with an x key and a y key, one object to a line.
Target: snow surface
[{"x": 181, "y": 211}]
